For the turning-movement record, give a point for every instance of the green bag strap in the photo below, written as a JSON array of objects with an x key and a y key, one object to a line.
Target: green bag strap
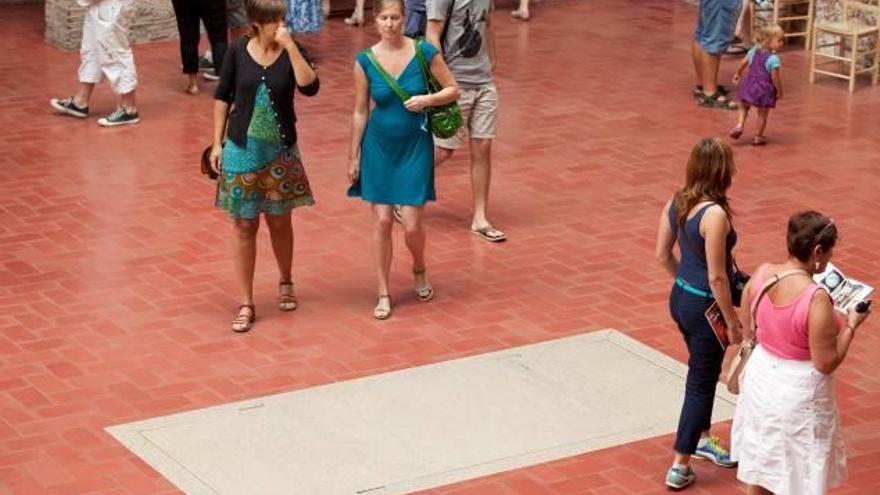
[
  {"x": 403, "y": 95},
  {"x": 430, "y": 81}
]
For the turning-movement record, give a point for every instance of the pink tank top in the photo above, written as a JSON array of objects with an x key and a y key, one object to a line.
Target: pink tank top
[{"x": 783, "y": 330}]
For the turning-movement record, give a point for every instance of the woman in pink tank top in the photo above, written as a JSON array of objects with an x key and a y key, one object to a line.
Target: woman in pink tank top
[{"x": 786, "y": 432}]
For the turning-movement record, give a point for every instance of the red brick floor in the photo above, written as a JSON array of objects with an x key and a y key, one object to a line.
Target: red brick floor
[{"x": 116, "y": 285}]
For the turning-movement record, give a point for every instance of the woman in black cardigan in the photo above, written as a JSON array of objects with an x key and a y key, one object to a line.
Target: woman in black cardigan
[{"x": 259, "y": 165}]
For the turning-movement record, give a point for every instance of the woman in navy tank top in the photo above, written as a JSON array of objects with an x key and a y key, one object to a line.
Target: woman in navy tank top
[{"x": 697, "y": 218}]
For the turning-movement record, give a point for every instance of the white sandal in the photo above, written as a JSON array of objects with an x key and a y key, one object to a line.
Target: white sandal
[
  {"x": 286, "y": 299},
  {"x": 244, "y": 322},
  {"x": 380, "y": 312}
]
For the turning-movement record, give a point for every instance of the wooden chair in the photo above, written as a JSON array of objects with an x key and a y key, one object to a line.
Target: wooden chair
[
  {"x": 795, "y": 17},
  {"x": 860, "y": 20}
]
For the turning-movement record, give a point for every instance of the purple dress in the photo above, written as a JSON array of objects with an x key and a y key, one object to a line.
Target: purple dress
[{"x": 758, "y": 90}]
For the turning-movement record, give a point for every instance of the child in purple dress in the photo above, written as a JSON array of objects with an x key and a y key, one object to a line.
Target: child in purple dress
[{"x": 762, "y": 85}]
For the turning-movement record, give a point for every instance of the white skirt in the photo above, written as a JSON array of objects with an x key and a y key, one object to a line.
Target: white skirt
[{"x": 786, "y": 431}]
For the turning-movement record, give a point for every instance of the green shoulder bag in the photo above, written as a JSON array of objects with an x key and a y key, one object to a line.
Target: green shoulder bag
[{"x": 445, "y": 120}]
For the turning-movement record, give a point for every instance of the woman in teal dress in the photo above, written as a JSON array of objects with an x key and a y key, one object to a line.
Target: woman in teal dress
[
  {"x": 391, "y": 159},
  {"x": 260, "y": 169}
]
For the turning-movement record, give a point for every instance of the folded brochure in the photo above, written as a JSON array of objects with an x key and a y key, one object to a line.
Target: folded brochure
[
  {"x": 846, "y": 292},
  {"x": 716, "y": 322}
]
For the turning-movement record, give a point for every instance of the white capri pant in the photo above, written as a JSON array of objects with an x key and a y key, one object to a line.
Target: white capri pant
[{"x": 106, "y": 51}]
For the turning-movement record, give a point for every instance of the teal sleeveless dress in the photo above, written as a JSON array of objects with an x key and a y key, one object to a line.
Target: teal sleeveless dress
[
  {"x": 264, "y": 176},
  {"x": 397, "y": 150}
]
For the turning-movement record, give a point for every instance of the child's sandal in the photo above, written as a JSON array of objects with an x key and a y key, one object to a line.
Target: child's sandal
[
  {"x": 243, "y": 321},
  {"x": 287, "y": 301},
  {"x": 736, "y": 132},
  {"x": 759, "y": 141}
]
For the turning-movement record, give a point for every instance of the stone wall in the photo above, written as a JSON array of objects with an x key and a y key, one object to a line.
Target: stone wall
[{"x": 154, "y": 20}]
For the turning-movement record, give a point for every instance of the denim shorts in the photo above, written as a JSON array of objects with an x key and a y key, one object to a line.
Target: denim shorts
[{"x": 716, "y": 24}]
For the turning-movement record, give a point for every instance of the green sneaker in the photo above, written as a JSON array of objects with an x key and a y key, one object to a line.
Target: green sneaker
[
  {"x": 678, "y": 479},
  {"x": 68, "y": 107},
  {"x": 712, "y": 450}
]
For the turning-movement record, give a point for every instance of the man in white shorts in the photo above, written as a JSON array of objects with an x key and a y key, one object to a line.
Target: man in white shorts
[
  {"x": 461, "y": 29},
  {"x": 105, "y": 53}
]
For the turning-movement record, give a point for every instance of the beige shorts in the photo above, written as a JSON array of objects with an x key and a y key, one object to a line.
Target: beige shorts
[{"x": 479, "y": 109}]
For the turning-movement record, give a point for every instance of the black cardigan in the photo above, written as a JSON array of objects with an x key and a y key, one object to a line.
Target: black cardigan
[{"x": 238, "y": 84}]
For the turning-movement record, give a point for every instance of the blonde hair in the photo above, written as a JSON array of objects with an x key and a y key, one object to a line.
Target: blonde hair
[
  {"x": 710, "y": 171},
  {"x": 768, "y": 33},
  {"x": 380, "y": 5}
]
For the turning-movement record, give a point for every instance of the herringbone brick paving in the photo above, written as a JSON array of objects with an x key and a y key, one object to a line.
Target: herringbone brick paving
[{"x": 116, "y": 285}]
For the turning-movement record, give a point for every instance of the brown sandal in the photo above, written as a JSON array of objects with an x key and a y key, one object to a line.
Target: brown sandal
[
  {"x": 286, "y": 299},
  {"x": 243, "y": 322},
  {"x": 424, "y": 293}
]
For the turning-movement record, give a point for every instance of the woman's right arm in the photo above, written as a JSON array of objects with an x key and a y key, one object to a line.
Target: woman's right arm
[
  {"x": 828, "y": 346},
  {"x": 224, "y": 95},
  {"x": 358, "y": 121},
  {"x": 221, "y": 110},
  {"x": 665, "y": 241}
]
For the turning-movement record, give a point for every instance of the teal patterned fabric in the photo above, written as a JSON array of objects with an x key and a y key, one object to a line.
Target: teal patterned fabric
[
  {"x": 262, "y": 177},
  {"x": 263, "y": 139}
]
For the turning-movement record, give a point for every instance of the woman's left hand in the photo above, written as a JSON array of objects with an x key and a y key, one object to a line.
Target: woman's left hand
[
  {"x": 284, "y": 38},
  {"x": 416, "y": 103}
]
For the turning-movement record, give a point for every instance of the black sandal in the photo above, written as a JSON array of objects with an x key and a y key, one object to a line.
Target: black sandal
[
  {"x": 714, "y": 101},
  {"x": 698, "y": 90}
]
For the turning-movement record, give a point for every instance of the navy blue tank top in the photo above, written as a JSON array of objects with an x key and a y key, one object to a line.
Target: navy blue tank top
[{"x": 693, "y": 268}]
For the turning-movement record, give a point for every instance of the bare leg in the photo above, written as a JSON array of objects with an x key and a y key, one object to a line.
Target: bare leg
[
  {"x": 128, "y": 102},
  {"x": 757, "y": 490},
  {"x": 522, "y": 12},
  {"x": 415, "y": 241},
  {"x": 281, "y": 233},
  {"x": 737, "y": 131},
  {"x": 711, "y": 64},
  {"x": 481, "y": 176},
  {"x": 83, "y": 94},
  {"x": 743, "y": 114},
  {"x": 763, "y": 113},
  {"x": 357, "y": 16},
  {"x": 244, "y": 253},
  {"x": 415, "y": 234},
  {"x": 740, "y": 22},
  {"x": 442, "y": 155},
  {"x": 192, "y": 84},
  {"x": 684, "y": 459},
  {"x": 383, "y": 248},
  {"x": 697, "y": 54}
]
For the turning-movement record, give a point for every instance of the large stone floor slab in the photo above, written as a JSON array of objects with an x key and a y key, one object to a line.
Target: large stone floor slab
[{"x": 424, "y": 427}]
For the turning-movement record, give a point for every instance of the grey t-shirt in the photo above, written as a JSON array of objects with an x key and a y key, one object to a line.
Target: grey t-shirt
[{"x": 465, "y": 48}]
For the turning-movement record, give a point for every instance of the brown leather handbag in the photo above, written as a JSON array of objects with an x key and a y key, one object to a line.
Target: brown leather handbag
[{"x": 206, "y": 164}]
